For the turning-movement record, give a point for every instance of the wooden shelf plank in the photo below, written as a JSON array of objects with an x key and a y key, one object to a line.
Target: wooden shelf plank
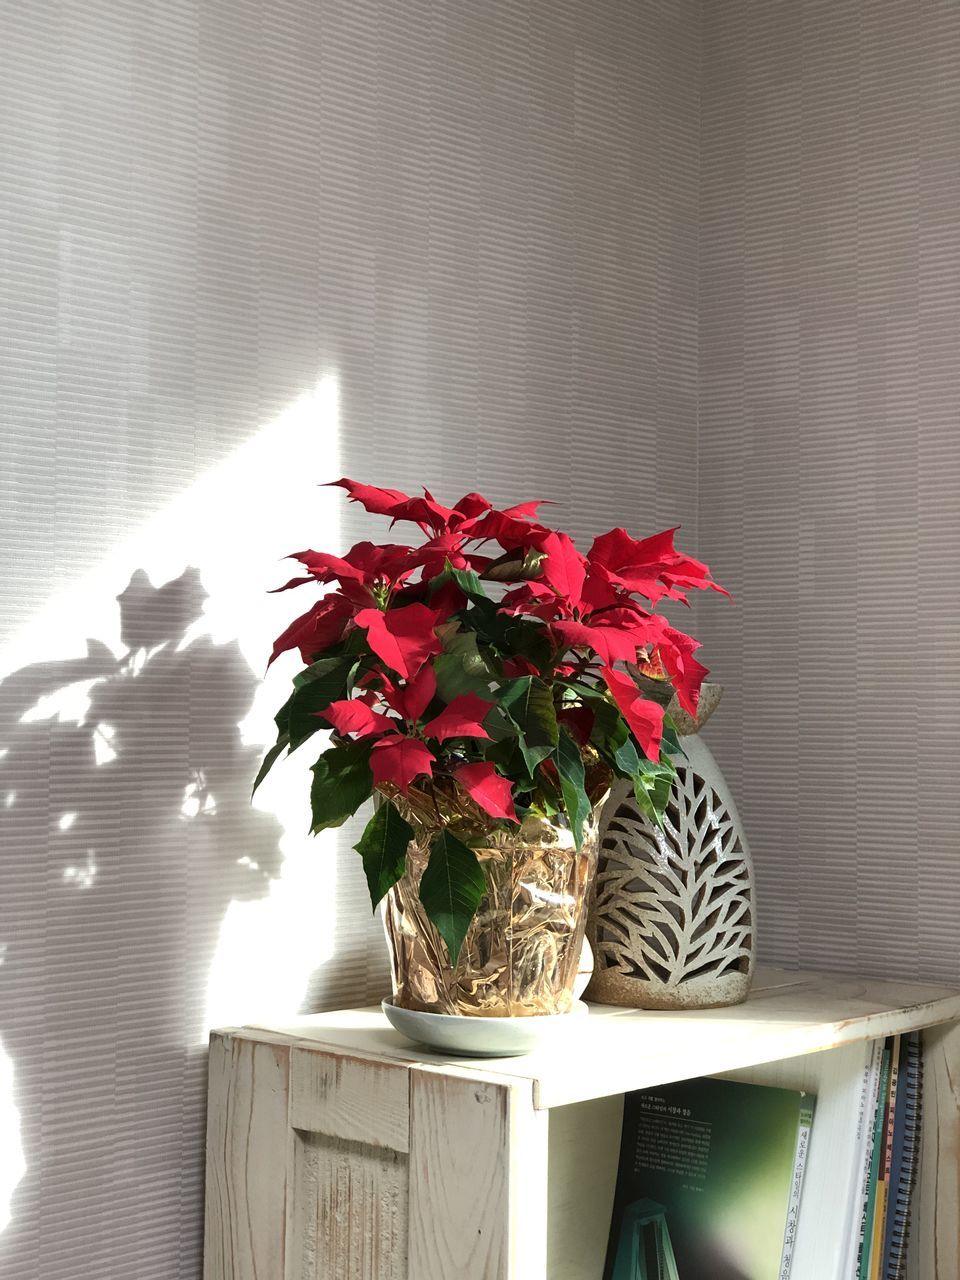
[{"x": 788, "y": 1013}]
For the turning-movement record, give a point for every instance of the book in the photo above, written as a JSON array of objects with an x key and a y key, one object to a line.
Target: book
[
  {"x": 796, "y": 1185},
  {"x": 906, "y": 1138},
  {"x": 865, "y": 1125},
  {"x": 870, "y": 1204},
  {"x": 886, "y": 1160},
  {"x": 709, "y": 1182},
  {"x": 845, "y": 1082}
]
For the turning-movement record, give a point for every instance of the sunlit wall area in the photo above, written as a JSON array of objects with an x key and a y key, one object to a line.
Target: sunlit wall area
[{"x": 248, "y": 248}]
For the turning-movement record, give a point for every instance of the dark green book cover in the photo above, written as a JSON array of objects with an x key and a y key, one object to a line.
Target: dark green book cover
[{"x": 705, "y": 1179}]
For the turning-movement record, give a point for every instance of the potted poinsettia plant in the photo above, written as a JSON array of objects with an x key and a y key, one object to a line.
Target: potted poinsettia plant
[{"x": 484, "y": 686}]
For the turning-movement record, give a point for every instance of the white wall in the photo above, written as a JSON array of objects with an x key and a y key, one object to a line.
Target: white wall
[
  {"x": 245, "y": 248},
  {"x": 830, "y": 466}
]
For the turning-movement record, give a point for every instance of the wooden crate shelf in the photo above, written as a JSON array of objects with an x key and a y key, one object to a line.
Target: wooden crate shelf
[{"x": 338, "y": 1151}]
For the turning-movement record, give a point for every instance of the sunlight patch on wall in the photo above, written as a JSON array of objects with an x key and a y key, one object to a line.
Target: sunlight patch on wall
[
  {"x": 84, "y": 875},
  {"x": 269, "y": 946},
  {"x": 233, "y": 526},
  {"x": 71, "y": 703}
]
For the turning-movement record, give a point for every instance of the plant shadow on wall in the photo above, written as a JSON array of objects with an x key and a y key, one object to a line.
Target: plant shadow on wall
[{"x": 127, "y": 831}]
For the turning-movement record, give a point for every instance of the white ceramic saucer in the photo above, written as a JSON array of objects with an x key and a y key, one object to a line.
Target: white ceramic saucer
[{"x": 467, "y": 1037}]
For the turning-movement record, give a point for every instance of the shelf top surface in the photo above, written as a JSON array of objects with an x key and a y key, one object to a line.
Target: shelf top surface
[{"x": 614, "y": 1050}]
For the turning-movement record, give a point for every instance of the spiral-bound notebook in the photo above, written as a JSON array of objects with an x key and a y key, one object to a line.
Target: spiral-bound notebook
[
  {"x": 904, "y": 1157},
  {"x": 894, "y": 1162}
]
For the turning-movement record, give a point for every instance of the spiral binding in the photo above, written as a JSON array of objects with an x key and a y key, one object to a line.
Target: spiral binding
[{"x": 895, "y": 1263}]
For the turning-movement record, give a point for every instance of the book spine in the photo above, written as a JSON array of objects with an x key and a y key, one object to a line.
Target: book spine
[
  {"x": 804, "y": 1124},
  {"x": 866, "y": 1110},
  {"x": 906, "y": 1183},
  {"x": 883, "y": 1184},
  {"x": 866, "y": 1232},
  {"x": 905, "y": 1083}
]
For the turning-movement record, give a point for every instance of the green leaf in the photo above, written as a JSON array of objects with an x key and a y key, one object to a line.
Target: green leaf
[
  {"x": 670, "y": 742},
  {"x": 282, "y": 718},
  {"x": 582, "y": 691},
  {"x": 546, "y": 803},
  {"x": 342, "y": 781},
  {"x": 626, "y": 757},
  {"x": 383, "y": 848},
  {"x": 509, "y": 758},
  {"x": 455, "y": 676},
  {"x": 282, "y": 721},
  {"x": 512, "y": 637},
  {"x": 356, "y": 643},
  {"x": 652, "y": 787},
  {"x": 529, "y": 705},
  {"x": 528, "y": 640},
  {"x": 499, "y": 725},
  {"x": 451, "y": 889},
  {"x": 320, "y": 670},
  {"x": 612, "y": 737},
  {"x": 322, "y": 687},
  {"x": 610, "y": 733},
  {"x": 461, "y": 668},
  {"x": 466, "y": 580},
  {"x": 270, "y": 759},
  {"x": 464, "y": 645},
  {"x": 575, "y": 799}
]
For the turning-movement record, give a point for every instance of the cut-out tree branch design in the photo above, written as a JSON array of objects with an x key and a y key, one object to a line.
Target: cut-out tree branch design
[{"x": 674, "y": 904}]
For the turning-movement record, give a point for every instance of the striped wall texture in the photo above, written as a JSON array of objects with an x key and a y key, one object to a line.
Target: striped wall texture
[
  {"x": 830, "y": 465},
  {"x": 522, "y": 247},
  {"x": 244, "y": 246}
]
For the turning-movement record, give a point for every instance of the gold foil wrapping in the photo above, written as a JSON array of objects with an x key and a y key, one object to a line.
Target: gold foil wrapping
[{"x": 521, "y": 952}]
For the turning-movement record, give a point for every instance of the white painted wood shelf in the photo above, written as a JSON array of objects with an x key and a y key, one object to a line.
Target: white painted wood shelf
[{"x": 338, "y": 1151}]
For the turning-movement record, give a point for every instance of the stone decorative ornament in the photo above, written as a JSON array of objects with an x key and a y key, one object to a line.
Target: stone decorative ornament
[{"x": 673, "y": 921}]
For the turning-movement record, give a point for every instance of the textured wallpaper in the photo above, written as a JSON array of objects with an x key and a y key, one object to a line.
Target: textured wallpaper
[
  {"x": 245, "y": 248},
  {"x": 522, "y": 247},
  {"x": 830, "y": 466}
]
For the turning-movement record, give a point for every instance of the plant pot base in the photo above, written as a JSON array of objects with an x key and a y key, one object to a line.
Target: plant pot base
[{"x": 483, "y": 1037}]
